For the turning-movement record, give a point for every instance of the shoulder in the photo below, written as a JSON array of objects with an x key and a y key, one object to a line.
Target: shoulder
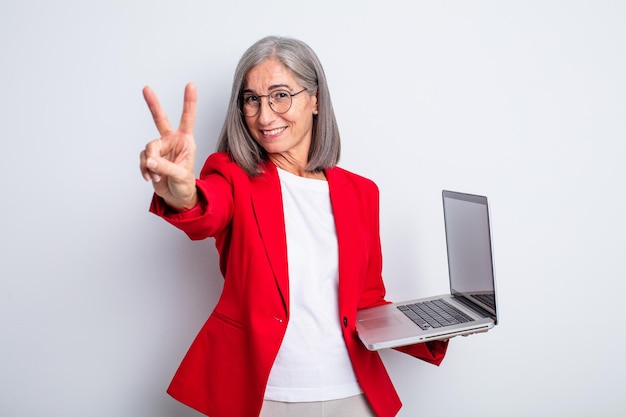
[
  {"x": 219, "y": 161},
  {"x": 222, "y": 164},
  {"x": 340, "y": 175}
]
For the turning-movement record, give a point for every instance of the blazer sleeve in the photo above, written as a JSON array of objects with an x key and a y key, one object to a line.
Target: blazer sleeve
[
  {"x": 374, "y": 289},
  {"x": 432, "y": 352},
  {"x": 215, "y": 208}
]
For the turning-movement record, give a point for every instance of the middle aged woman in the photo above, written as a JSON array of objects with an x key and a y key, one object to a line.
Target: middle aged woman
[{"x": 299, "y": 246}]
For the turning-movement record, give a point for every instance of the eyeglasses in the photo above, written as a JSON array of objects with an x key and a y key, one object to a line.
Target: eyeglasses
[{"x": 279, "y": 101}]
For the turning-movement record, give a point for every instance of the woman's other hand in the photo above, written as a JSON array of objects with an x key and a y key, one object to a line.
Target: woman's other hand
[{"x": 168, "y": 161}]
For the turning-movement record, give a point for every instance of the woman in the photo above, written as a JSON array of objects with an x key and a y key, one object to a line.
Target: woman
[{"x": 299, "y": 246}]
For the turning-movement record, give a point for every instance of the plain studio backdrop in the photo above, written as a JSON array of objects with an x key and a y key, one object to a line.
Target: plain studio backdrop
[{"x": 521, "y": 101}]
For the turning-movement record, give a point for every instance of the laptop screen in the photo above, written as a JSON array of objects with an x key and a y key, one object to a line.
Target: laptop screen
[{"x": 468, "y": 239}]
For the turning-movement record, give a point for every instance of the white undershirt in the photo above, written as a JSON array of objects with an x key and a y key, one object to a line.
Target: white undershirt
[{"x": 313, "y": 362}]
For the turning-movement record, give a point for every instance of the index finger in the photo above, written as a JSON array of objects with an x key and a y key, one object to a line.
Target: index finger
[
  {"x": 188, "y": 118},
  {"x": 159, "y": 116}
]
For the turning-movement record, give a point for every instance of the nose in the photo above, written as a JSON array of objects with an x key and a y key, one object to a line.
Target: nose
[{"x": 266, "y": 114}]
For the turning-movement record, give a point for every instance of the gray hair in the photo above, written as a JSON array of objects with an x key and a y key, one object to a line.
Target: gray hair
[{"x": 300, "y": 59}]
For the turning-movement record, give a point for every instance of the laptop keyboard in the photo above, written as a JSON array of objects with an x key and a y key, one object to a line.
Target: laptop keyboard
[
  {"x": 487, "y": 299},
  {"x": 434, "y": 314}
]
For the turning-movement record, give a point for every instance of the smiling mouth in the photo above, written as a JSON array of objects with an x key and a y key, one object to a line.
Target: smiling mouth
[{"x": 273, "y": 132}]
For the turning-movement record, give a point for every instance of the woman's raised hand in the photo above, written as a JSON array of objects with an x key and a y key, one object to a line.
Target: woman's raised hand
[{"x": 169, "y": 160}]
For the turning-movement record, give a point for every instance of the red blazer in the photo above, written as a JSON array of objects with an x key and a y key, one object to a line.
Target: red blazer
[{"x": 225, "y": 371}]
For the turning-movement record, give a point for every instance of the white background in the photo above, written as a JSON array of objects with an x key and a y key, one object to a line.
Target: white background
[{"x": 521, "y": 101}]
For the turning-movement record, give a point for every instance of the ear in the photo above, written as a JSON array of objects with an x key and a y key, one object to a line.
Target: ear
[{"x": 315, "y": 107}]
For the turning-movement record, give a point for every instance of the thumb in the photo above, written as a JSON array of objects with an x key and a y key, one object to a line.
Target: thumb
[{"x": 163, "y": 167}]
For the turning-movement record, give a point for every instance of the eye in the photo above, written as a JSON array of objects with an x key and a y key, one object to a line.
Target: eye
[
  {"x": 250, "y": 100},
  {"x": 281, "y": 96}
]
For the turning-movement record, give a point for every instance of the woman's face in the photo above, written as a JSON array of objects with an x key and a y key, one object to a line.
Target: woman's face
[{"x": 287, "y": 134}]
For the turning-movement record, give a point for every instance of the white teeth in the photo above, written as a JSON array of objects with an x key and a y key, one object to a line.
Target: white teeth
[{"x": 273, "y": 132}]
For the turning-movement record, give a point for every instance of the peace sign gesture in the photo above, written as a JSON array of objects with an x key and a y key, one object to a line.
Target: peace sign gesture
[{"x": 168, "y": 161}]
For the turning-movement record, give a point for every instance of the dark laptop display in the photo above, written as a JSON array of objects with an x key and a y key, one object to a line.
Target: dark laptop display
[{"x": 470, "y": 259}]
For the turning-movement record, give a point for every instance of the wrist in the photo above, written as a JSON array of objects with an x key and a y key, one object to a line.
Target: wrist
[
  {"x": 182, "y": 204},
  {"x": 188, "y": 205}
]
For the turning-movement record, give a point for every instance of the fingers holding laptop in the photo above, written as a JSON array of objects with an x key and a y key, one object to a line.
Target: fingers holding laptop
[
  {"x": 476, "y": 332},
  {"x": 467, "y": 334}
]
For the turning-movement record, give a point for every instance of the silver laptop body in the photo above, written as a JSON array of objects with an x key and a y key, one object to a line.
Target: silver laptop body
[{"x": 472, "y": 284}]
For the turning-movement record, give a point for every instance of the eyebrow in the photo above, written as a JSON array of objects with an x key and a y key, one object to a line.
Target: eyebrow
[{"x": 271, "y": 87}]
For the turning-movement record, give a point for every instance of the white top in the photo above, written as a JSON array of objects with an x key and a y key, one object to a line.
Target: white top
[{"x": 313, "y": 362}]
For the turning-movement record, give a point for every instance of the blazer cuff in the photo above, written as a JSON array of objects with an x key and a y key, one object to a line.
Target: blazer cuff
[
  {"x": 432, "y": 352},
  {"x": 159, "y": 207}
]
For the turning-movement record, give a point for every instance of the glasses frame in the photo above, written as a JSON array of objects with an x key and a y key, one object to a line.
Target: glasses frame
[{"x": 269, "y": 101}]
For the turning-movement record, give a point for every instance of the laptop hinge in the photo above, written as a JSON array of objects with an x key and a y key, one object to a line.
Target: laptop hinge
[{"x": 474, "y": 307}]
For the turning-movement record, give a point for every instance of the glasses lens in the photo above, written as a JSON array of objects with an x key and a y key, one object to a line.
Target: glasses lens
[
  {"x": 280, "y": 101},
  {"x": 250, "y": 105}
]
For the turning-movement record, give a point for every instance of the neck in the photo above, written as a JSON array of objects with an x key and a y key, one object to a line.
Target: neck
[{"x": 294, "y": 166}]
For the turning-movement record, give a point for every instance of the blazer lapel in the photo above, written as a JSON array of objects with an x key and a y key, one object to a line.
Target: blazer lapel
[
  {"x": 346, "y": 223},
  {"x": 268, "y": 210}
]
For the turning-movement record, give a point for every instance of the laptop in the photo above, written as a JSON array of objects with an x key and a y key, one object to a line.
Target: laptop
[{"x": 471, "y": 305}]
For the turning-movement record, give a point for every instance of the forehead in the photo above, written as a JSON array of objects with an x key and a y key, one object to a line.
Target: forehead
[{"x": 269, "y": 74}]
